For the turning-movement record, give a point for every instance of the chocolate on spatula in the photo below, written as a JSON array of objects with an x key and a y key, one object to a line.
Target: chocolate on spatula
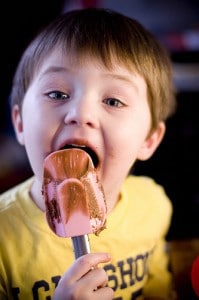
[{"x": 74, "y": 198}]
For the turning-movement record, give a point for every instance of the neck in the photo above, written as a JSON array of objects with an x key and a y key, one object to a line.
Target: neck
[
  {"x": 36, "y": 194},
  {"x": 111, "y": 203},
  {"x": 37, "y": 197}
]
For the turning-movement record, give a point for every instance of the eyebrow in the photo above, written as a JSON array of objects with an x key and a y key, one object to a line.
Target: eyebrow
[
  {"x": 119, "y": 77},
  {"x": 54, "y": 69},
  {"x": 122, "y": 78}
]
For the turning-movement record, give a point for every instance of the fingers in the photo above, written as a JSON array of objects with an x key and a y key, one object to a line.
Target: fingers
[
  {"x": 94, "y": 279},
  {"x": 84, "y": 280},
  {"x": 93, "y": 285},
  {"x": 83, "y": 265},
  {"x": 105, "y": 293}
]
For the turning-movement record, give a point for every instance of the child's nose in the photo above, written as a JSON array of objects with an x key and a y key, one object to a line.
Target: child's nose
[{"x": 81, "y": 113}]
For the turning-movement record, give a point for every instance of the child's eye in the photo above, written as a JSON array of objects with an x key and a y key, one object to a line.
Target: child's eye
[
  {"x": 57, "y": 95},
  {"x": 113, "y": 102}
]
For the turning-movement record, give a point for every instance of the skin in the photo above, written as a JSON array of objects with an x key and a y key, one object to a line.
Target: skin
[
  {"x": 96, "y": 280},
  {"x": 86, "y": 105}
]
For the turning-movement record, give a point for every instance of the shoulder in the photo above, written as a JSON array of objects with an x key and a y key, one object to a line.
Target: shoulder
[
  {"x": 148, "y": 194},
  {"x": 9, "y": 197},
  {"x": 145, "y": 186}
]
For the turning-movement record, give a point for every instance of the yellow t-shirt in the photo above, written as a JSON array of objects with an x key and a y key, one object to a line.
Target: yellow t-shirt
[{"x": 33, "y": 258}]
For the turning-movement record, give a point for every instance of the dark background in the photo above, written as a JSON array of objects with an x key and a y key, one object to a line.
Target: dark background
[{"x": 175, "y": 164}]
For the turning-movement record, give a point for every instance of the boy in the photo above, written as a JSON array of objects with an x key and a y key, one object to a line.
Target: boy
[{"x": 93, "y": 79}]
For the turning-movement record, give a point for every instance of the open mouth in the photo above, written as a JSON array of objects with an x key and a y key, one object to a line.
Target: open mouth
[{"x": 88, "y": 150}]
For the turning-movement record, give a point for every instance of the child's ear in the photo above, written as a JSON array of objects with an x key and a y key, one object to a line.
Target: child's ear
[
  {"x": 152, "y": 142},
  {"x": 17, "y": 123}
]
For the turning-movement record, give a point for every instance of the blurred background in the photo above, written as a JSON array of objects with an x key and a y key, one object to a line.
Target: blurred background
[{"x": 176, "y": 163}]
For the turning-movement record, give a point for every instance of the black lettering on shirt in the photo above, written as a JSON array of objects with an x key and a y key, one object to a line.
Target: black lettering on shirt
[
  {"x": 112, "y": 279},
  {"x": 140, "y": 266},
  {"x": 120, "y": 276},
  {"x": 42, "y": 284},
  {"x": 126, "y": 273},
  {"x": 55, "y": 280},
  {"x": 15, "y": 293}
]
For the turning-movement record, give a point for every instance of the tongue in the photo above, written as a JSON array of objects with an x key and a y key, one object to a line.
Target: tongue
[{"x": 74, "y": 198}]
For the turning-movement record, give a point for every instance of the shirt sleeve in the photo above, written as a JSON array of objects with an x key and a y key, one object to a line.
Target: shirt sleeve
[{"x": 160, "y": 282}]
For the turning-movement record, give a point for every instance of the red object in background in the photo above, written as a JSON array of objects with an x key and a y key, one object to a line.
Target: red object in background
[
  {"x": 195, "y": 275},
  {"x": 89, "y": 3}
]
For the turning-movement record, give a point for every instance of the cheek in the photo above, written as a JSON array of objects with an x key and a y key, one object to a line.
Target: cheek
[
  {"x": 36, "y": 140},
  {"x": 118, "y": 149},
  {"x": 36, "y": 123},
  {"x": 128, "y": 140}
]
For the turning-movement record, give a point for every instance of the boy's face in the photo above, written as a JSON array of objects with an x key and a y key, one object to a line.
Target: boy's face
[{"x": 87, "y": 105}]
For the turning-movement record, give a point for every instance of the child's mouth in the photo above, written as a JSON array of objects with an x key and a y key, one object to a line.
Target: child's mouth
[{"x": 88, "y": 150}]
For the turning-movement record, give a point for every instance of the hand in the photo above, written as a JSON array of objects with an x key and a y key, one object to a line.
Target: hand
[{"x": 84, "y": 280}]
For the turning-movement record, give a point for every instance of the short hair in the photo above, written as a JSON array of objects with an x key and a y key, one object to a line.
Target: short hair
[{"x": 110, "y": 37}]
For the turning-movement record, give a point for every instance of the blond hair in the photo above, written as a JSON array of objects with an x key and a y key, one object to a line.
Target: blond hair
[{"x": 110, "y": 37}]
